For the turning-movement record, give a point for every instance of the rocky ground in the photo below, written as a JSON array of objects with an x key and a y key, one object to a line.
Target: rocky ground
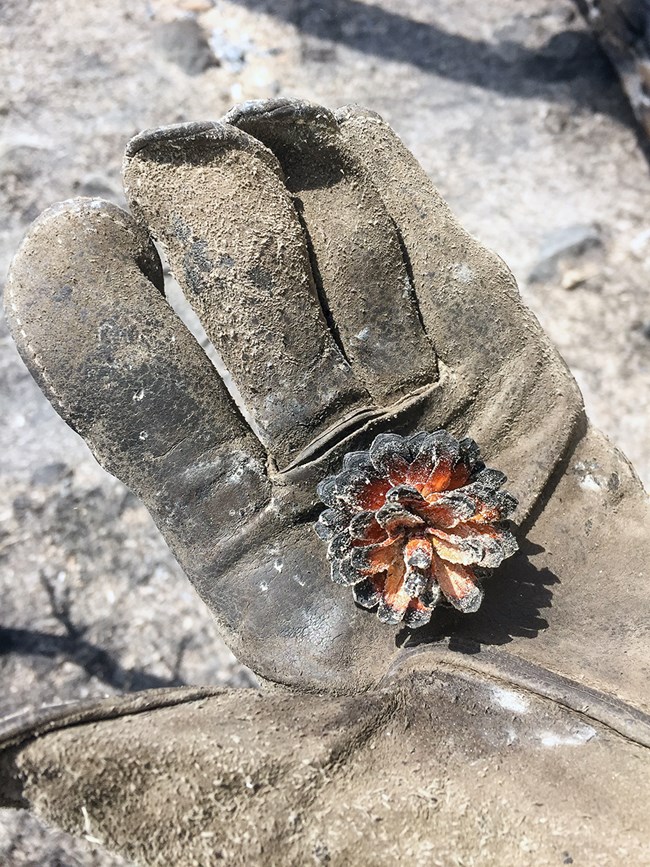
[{"x": 512, "y": 109}]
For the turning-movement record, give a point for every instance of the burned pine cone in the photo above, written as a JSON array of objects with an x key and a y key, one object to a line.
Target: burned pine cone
[{"x": 413, "y": 521}]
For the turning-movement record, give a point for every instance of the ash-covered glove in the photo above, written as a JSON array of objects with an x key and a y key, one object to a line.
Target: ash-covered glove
[
  {"x": 345, "y": 302},
  {"x": 350, "y": 309}
]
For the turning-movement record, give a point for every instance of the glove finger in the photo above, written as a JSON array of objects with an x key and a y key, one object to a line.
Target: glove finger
[
  {"x": 506, "y": 383},
  {"x": 355, "y": 247},
  {"x": 214, "y": 198},
  {"x": 448, "y": 265},
  {"x": 84, "y": 299}
]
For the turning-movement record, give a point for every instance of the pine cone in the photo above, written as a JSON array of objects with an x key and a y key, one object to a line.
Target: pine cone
[{"x": 414, "y": 520}]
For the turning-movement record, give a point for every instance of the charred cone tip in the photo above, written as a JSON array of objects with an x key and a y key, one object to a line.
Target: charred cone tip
[{"x": 415, "y": 520}]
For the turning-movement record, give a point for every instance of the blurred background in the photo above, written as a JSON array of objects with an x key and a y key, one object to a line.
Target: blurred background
[{"x": 513, "y": 109}]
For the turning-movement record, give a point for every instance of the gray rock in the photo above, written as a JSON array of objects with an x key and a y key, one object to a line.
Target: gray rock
[
  {"x": 562, "y": 245},
  {"x": 183, "y": 42}
]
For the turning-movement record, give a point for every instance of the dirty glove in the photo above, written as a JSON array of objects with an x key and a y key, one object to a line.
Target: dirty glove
[{"x": 345, "y": 302}]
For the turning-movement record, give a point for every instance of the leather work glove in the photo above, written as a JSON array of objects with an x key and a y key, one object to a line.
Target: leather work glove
[{"x": 346, "y": 302}]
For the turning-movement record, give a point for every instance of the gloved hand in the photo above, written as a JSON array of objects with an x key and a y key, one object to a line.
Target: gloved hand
[{"x": 344, "y": 300}]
